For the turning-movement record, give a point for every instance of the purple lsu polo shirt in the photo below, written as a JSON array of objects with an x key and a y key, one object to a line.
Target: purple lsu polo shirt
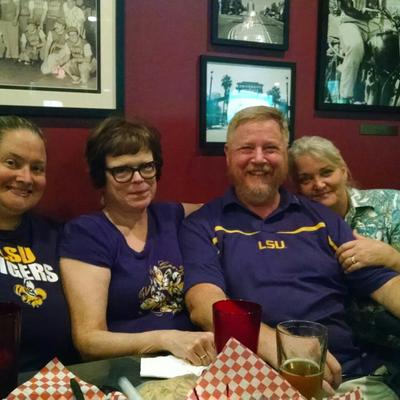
[{"x": 285, "y": 262}]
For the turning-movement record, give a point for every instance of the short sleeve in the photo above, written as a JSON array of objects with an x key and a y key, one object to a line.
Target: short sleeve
[
  {"x": 395, "y": 218},
  {"x": 179, "y": 212},
  {"x": 166, "y": 213},
  {"x": 201, "y": 256},
  {"x": 90, "y": 239},
  {"x": 366, "y": 280}
]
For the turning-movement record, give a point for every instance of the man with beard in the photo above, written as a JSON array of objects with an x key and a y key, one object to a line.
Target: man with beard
[{"x": 261, "y": 243}]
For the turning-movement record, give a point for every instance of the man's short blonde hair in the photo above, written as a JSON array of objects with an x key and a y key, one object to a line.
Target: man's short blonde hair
[{"x": 258, "y": 113}]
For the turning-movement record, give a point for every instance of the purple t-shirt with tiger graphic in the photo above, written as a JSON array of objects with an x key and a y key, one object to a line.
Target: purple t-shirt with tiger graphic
[{"x": 146, "y": 287}]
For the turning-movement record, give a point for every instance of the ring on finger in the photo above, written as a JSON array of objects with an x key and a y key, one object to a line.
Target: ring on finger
[
  {"x": 353, "y": 259},
  {"x": 203, "y": 356}
]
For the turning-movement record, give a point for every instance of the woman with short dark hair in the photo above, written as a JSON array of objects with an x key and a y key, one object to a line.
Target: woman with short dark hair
[{"x": 122, "y": 267}]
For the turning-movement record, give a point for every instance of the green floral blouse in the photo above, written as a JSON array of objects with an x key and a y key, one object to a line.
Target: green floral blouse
[{"x": 375, "y": 213}]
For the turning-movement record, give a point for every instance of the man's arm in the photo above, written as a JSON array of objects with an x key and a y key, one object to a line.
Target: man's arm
[
  {"x": 199, "y": 300},
  {"x": 201, "y": 297},
  {"x": 388, "y": 295}
]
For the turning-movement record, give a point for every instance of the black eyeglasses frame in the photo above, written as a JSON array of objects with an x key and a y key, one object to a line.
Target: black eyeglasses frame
[{"x": 132, "y": 170}]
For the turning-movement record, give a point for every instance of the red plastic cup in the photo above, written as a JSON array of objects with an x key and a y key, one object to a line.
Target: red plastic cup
[
  {"x": 239, "y": 319},
  {"x": 10, "y": 331}
]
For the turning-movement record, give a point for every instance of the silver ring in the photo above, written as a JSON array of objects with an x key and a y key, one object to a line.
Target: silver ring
[
  {"x": 353, "y": 260},
  {"x": 203, "y": 356}
]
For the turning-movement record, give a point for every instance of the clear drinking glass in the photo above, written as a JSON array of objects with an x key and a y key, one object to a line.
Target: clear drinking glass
[{"x": 302, "y": 347}]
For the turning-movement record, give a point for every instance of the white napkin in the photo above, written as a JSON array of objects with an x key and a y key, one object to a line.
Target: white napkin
[{"x": 167, "y": 367}]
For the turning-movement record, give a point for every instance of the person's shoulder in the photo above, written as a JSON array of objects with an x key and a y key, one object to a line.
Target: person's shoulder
[
  {"x": 167, "y": 213},
  {"x": 309, "y": 204},
  {"x": 43, "y": 222},
  {"x": 207, "y": 215},
  {"x": 90, "y": 230},
  {"x": 337, "y": 228},
  {"x": 212, "y": 207},
  {"x": 375, "y": 196},
  {"x": 162, "y": 207},
  {"x": 87, "y": 221},
  {"x": 318, "y": 210},
  {"x": 386, "y": 193}
]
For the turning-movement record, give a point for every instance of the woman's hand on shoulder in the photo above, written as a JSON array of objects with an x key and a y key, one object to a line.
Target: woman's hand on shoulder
[
  {"x": 365, "y": 252},
  {"x": 196, "y": 347}
]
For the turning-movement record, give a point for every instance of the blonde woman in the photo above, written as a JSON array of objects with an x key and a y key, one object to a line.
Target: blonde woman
[{"x": 321, "y": 174}]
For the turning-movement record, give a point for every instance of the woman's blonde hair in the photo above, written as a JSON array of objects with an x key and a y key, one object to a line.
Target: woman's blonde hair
[{"x": 319, "y": 148}]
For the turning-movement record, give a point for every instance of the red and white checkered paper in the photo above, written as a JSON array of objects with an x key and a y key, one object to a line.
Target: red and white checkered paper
[
  {"x": 53, "y": 383},
  {"x": 239, "y": 374}
]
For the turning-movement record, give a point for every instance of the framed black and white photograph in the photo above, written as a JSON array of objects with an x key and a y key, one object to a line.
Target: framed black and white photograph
[
  {"x": 228, "y": 85},
  {"x": 250, "y": 23},
  {"x": 358, "y": 57},
  {"x": 61, "y": 58}
]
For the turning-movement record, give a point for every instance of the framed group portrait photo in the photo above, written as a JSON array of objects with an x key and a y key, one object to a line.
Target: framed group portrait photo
[
  {"x": 228, "y": 85},
  {"x": 66, "y": 60},
  {"x": 358, "y": 66},
  {"x": 250, "y": 23}
]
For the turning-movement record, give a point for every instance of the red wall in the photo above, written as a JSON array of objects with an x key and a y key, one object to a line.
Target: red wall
[{"x": 163, "y": 41}]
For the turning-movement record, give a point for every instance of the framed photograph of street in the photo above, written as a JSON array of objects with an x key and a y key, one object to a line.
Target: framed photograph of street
[
  {"x": 358, "y": 66},
  {"x": 228, "y": 85},
  {"x": 65, "y": 64},
  {"x": 250, "y": 23}
]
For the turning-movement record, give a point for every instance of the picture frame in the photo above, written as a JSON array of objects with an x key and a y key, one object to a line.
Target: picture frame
[
  {"x": 50, "y": 79},
  {"x": 369, "y": 81},
  {"x": 260, "y": 24},
  {"x": 228, "y": 85}
]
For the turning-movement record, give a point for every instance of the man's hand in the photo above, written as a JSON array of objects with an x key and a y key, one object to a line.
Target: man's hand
[{"x": 332, "y": 374}]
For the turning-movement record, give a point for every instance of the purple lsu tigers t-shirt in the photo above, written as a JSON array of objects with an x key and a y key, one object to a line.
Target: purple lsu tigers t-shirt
[
  {"x": 146, "y": 287},
  {"x": 30, "y": 277}
]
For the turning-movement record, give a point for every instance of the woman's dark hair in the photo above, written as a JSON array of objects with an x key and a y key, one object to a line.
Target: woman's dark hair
[
  {"x": 116, "y": 136},
  {"x": 13, "y": 123}
]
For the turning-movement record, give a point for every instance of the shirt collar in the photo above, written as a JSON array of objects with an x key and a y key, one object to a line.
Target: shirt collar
[
  {"x": 16, "y": 233},
  {"x": 287, "y": 199},
  {"x": 358, "y": 200}
]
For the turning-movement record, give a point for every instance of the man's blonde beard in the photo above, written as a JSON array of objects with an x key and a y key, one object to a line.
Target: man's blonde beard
[{"x": 256, "y": 196}]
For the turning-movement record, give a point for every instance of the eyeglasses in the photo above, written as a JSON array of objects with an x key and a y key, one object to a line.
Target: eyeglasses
[{"x": 124, "y": 173}]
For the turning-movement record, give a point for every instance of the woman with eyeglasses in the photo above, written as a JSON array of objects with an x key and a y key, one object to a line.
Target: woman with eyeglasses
[{"x": 122, "y": 268}]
